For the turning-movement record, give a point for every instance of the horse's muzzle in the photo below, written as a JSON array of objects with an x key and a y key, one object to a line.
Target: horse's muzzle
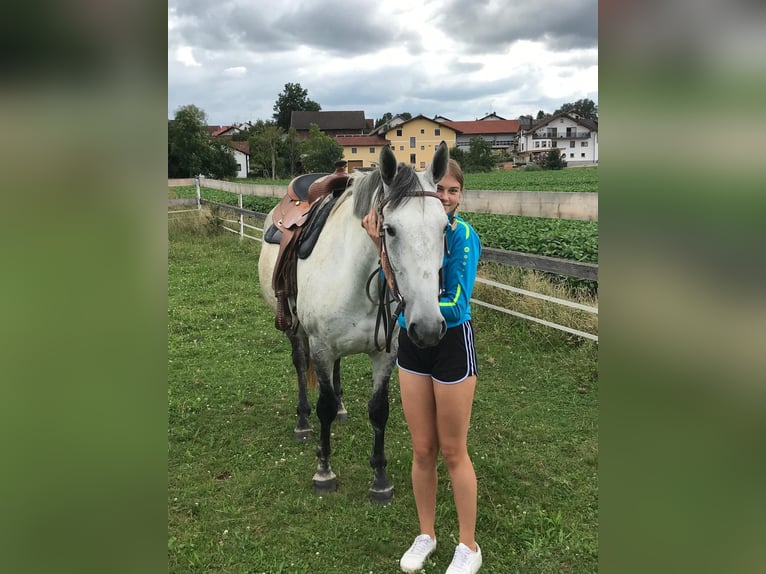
[{"x": 426, "y": 336}]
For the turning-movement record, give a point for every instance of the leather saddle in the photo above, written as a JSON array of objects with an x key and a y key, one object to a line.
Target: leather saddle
[{"x": 296, "y": 223}]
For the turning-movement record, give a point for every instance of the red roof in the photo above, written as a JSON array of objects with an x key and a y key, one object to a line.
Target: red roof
[
  {"x": 361, "y": 140},
  {"x": 221, "y": 130},
  {"x": 244, "y": 147},
  {"x": 479, "y": 127}
]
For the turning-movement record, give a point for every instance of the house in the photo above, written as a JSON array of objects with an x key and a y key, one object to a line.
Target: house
[
  {"x": 575, "y": 136},
  {"x": 414, "y": 141},
  {"x": 330, "y": 123},
  {"x": 361, "y": 150},
  {"x": 221, "y": 131},
  {"x": 499, "y": 132},
  {"x": 241, "y": 153},
  {"x": 392, "y": 123},
  {"x": 490, "y": 117}
]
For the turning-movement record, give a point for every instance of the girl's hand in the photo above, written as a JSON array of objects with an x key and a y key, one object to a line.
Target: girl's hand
[{"x": 371, "y": 224}]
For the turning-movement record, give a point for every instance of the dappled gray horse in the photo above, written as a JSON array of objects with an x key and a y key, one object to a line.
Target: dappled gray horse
[{"x": 334, "y": 315}]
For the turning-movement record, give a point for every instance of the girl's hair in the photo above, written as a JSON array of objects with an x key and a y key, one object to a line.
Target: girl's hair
[{"x": 454, "y": 169}]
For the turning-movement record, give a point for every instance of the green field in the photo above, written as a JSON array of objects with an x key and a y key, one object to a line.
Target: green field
[
  {"x": 239, "y": 487},
  {"x": 573, "y": 179}
]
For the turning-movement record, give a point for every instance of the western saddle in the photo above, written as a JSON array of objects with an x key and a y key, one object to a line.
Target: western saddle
[{"x": 306, "y": 205}]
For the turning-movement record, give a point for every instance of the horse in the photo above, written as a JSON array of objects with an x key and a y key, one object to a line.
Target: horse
[{"x": 333, "y": 313}]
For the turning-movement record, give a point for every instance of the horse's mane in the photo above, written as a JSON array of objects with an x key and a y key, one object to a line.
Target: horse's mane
[
  {"x": 368, "y": 187},
  {"x": 365, "y": 187}
]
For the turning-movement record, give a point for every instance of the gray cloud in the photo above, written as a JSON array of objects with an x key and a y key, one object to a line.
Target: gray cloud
[
  {"x": 371, "y": 56},
  {"x": 491, "y": 25}
]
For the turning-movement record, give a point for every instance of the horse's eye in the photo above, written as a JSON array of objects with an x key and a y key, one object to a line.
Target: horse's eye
[{"x": 389, "y": 230}]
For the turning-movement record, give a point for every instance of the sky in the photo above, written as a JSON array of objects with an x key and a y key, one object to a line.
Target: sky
[{"x": 453, "y": 58}]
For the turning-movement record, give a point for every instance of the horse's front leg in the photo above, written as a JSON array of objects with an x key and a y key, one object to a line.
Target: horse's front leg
[
  {"x": 327, "y": 409},
  {"x": 299, "y": 345},
  {"x": 381, "y": 490}
]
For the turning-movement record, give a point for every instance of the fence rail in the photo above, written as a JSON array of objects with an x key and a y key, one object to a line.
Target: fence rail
[
  {"x": 555, "y": 265},
  {"x": 581, "y": 206}
]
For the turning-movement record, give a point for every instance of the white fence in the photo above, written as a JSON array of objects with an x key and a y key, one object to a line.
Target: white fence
[{"x": 242, "y": 225}]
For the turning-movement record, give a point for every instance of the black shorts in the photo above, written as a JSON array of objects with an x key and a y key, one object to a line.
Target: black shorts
[{"x": 451, "y": 361}]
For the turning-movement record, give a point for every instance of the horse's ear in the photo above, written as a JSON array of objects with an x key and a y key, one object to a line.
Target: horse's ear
[
  {"x": 440, "y": 162},
  {"x": 387, "y": 165}
]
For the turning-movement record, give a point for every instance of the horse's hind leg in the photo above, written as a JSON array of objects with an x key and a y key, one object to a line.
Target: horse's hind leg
[
  {"x": 381, "y": 490},
  {"x": 299, "y": 345},
  {"x": 342, "y": 412}
]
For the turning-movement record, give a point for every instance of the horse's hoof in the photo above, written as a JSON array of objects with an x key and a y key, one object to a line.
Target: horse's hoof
[
  {"x": 342, "y": 414},
  {"x": 383, "y": 496},
  {"x": 302, "y": 434},
  {"x": 325, "y": 485}
]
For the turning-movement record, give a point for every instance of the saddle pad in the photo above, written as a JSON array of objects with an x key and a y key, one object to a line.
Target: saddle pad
[
  {"x": 311, "y": 230},
  {"x": 272, "y": 235}
]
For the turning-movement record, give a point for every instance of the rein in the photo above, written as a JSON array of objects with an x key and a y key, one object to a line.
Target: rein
[{"x": 386, "y": 318}]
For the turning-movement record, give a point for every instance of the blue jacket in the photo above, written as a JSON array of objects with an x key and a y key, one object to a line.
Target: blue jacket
[{"x": 458, "y": 273}]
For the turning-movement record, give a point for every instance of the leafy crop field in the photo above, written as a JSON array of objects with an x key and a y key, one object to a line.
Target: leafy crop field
[
  {"x": 574, "y": 179},
  {"x": 239, "y": 487}
]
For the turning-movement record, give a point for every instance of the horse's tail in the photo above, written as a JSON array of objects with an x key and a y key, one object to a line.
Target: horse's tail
[{"x": 311, "y": 374}]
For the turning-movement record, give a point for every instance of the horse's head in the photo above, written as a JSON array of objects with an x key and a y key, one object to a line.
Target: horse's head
[{"x": 414, "y": 222}]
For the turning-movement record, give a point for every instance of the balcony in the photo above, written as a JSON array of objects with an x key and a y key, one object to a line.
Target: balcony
[{"x": 558, "y": 136}]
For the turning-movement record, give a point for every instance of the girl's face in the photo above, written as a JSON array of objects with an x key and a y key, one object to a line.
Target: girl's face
[{"x": 448, "y": 190}]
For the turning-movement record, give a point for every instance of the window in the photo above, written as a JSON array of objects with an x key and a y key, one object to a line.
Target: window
[
  {"x": 401, "y": 148},
  {"x": 545, "y": 144},
  {"x": 399, "y": 133},
  {"x": 412, "y": 158},
  {"x": 372, "y": 150},
  {"x": 582, "y": 155},
  {"x": 537, "y": 144},
  {"x": 583, "y": 144},
  {"x": 422, "y": 131},
  {"x": 412, "y": 143},
  {"x": 437, "y": 131},
  {"x": 239, "y": 167},
  {"x": 422, "y": 165},
  {"x": 571, "y": 144},
  {"x": 353, "y": 150},
  {"x": 422, "y": 148},
  {"x": 554, "y": 144}
]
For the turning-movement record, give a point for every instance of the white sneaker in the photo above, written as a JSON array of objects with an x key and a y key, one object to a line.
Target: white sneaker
[
  {"x": 465, "y": 560},
  {"x": 414, "y": 559}
]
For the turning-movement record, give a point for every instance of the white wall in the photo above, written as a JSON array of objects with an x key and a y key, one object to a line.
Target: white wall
[{"x": 244, "y": 162}]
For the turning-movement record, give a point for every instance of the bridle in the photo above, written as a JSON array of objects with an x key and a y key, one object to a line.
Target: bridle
[{"x": 388, "y": 290}]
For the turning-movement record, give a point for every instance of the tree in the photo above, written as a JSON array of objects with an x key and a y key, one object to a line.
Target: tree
[
  {"x": 479, "y": 157},
  {"x": 458, "y": 155},
  {"x": 387, "y": 117},
  {"x": 267, "y": 142},
  {"x": 541, "y": 114},
  {"x": 220, "y": 162},
  {"x": 320, "y": 151},
  {"x": 553, "y": 159},
  {"x": 293, "y": 99},
  {"x": 585, "y": 108},
  {"x": 188, "y": 142},
  {"x": 291, "y": 151}
]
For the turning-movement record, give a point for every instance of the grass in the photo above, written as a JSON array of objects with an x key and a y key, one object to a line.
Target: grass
[{"x": 239, "y": 487}]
